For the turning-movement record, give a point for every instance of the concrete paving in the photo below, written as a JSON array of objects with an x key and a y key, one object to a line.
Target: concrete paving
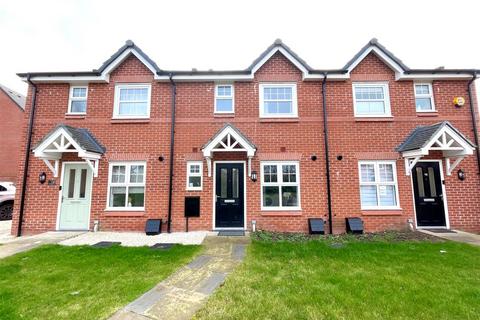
[
  {"x": 456, "y": 235},
  {"x": 137, "y": 239},
  {"x": 186, "y": 291},
  {"x": 5, "y": 227},
  {"x": 20, "y": 244}
]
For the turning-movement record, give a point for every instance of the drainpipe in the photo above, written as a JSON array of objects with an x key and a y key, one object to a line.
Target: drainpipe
[
  {"x": 172, "y": 145},
  {"x": 327, "y": 159},
  {"x": 474, "y": 118},
  {"x": 27, "y": 156}
]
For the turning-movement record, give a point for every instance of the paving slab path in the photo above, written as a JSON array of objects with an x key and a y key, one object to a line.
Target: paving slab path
[
  {"x": 186, "y": 291},
  {"x": 456, "y": 235},
  {"x": 15, "y": 245}
]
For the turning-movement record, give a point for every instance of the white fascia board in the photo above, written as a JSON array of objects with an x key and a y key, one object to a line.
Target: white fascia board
[
  {"x": 68, "y": 79},
  {"x": 430, "y": 77},
  {"x": 392, "y": 64},
  {"x": 114, "y": 64}
]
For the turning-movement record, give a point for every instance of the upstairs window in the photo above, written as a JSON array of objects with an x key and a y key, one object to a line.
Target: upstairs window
[
  {"x": 224, "y": 98},
  {"x": 378, "y": 185},
  {"x": 371, "y": 100},
  {"x": 278, "y": 100},
  {"x": 424, "y": 97},
  {"x": 132, "y": 101},
  {"x": 126, "y": 186},
  {"x": 194, "y": 175},
  {"x": 77, "y": 103}
]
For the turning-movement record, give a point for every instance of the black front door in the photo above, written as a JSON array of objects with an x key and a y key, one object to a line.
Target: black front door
[
  {"x": 427, "y": 188},
  {"x": 229, "y": 195}
]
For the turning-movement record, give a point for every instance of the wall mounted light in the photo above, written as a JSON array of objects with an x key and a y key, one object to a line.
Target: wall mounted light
[
  {"x": 161, "y": 158},
  {"x": 314, "y": 157},
  {"x": 461, "y": 174},
  {"x": 42, "y": 177},
  {"x": 253, "y": 176}
]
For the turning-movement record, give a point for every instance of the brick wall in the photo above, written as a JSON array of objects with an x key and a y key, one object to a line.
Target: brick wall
[
  {"x": 290, "y": 139},
  {"x": 11, "y": 117}
]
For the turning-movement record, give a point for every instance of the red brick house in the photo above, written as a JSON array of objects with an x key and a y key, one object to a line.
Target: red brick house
[
  {"x": 12, "y": 106},
  {"x": 113, "y": 147}
]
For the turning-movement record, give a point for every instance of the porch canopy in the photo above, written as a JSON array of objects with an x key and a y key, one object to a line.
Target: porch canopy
[
  {"x": 228, "y": 139},
  {"x": 442, "y": 137},
  {"x": 65, "y": 139}
]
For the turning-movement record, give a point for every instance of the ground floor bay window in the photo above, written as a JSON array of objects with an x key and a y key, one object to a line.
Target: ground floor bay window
[
  {"x": 126, "y": 188},
  {"x": 378, "y": 185},
  {"x": 280, "y": 186}
]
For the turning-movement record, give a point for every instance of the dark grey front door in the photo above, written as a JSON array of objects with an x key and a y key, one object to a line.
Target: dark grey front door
[
  {"x": 427, "y": 188},
  {"x": 229, "y": 189}
]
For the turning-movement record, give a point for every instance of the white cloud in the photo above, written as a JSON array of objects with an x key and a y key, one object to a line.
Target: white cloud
[{"x": 52, "y": 35}]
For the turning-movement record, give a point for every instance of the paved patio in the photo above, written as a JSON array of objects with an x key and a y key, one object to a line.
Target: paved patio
[
  {"x": 456, "y": 235},
  {"x": 137, "y": 239},
  {"x": 187, "y": 290}
]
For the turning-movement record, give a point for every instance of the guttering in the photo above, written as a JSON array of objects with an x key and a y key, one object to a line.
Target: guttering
[
  {"x": 172, "y": 146},
  {"x": 327, "y": 159},
  {"x": 27, "y": 157},
  {"x": 474, "y": 118}
]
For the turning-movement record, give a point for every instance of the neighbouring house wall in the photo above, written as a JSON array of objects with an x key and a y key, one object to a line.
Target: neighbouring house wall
[{"x": 11, "y": 118}]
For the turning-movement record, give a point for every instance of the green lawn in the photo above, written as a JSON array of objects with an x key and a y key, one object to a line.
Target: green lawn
[
  {"x": 56, "y": 282},
  {"x": 360, "y": 280}
]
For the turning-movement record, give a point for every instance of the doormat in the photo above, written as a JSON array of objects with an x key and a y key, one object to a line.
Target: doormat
[
  {"x": 105, "y": 244},
  {"x": 164, "y": 246},
  {"x": 441, "y": 231},
  {"x": 231, "y": 233}
]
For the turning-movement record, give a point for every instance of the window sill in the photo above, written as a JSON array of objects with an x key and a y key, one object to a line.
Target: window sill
[
  {"x": 382, "y": 212},
  {"x": 292, "y": 119},
  {"x": 75, "y": 115},
  {"x": 374, "y": 119},
  {"x": 282, "y": 214},
  {"x": 224, "y": 115},
  {"x": 116, "y": 120},
  {"x": 193, "y": 190},
  {"x": 113, "y": 213},
  {"x": 427, "y": 113}
]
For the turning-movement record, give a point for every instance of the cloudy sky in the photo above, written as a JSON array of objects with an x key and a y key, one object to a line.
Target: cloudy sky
[{"x": 79, "y": 35}]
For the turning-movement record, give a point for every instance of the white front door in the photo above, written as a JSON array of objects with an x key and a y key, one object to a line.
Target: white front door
[{"x": 75, "y": 197}]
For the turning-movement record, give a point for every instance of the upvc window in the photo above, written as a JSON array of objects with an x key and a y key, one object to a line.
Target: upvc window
[
  {"x": 194, "y": 175},
  {"x": 132, "y": 101},
  {"x": 224, "y": 101},
  {"x": 278, "y": 100},
  {"x": 126, "y": 188},
  {"x": 371, "y": 100},
  {"x": 424, "y": 97},
  {"x": 378, "y": 185},
  {"x": 280, "y": 186},
  {"x": 77, "y": 103}
]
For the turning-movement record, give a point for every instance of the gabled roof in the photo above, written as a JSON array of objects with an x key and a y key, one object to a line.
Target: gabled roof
[
  {"x": 16, "y": 97},
  {"x": 81, "y": 136},
  {"x": 402, "y": 72},
  {"x": 421, "y": 136},
  {"x": 374, "y": 46}
]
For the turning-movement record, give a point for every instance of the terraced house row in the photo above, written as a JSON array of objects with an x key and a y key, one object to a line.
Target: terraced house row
[{"x": 266, "y": 147}]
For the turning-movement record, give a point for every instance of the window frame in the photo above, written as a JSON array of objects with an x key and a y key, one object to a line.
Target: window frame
[
  {"x": 280, "y": 184},
  {"x": 71, "y": 98},
  {"x": 377, "y": 183},
  {"x": 386, "y": 99},
  {"x": 264, "y": 85},
  {"x": 116, "y": 103},
  {"x": 189, "y": 174},
  {"x": 430, "y": 96},
  {"x": 126, "y": 184},
  {"x": 231, "y": 97}
]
